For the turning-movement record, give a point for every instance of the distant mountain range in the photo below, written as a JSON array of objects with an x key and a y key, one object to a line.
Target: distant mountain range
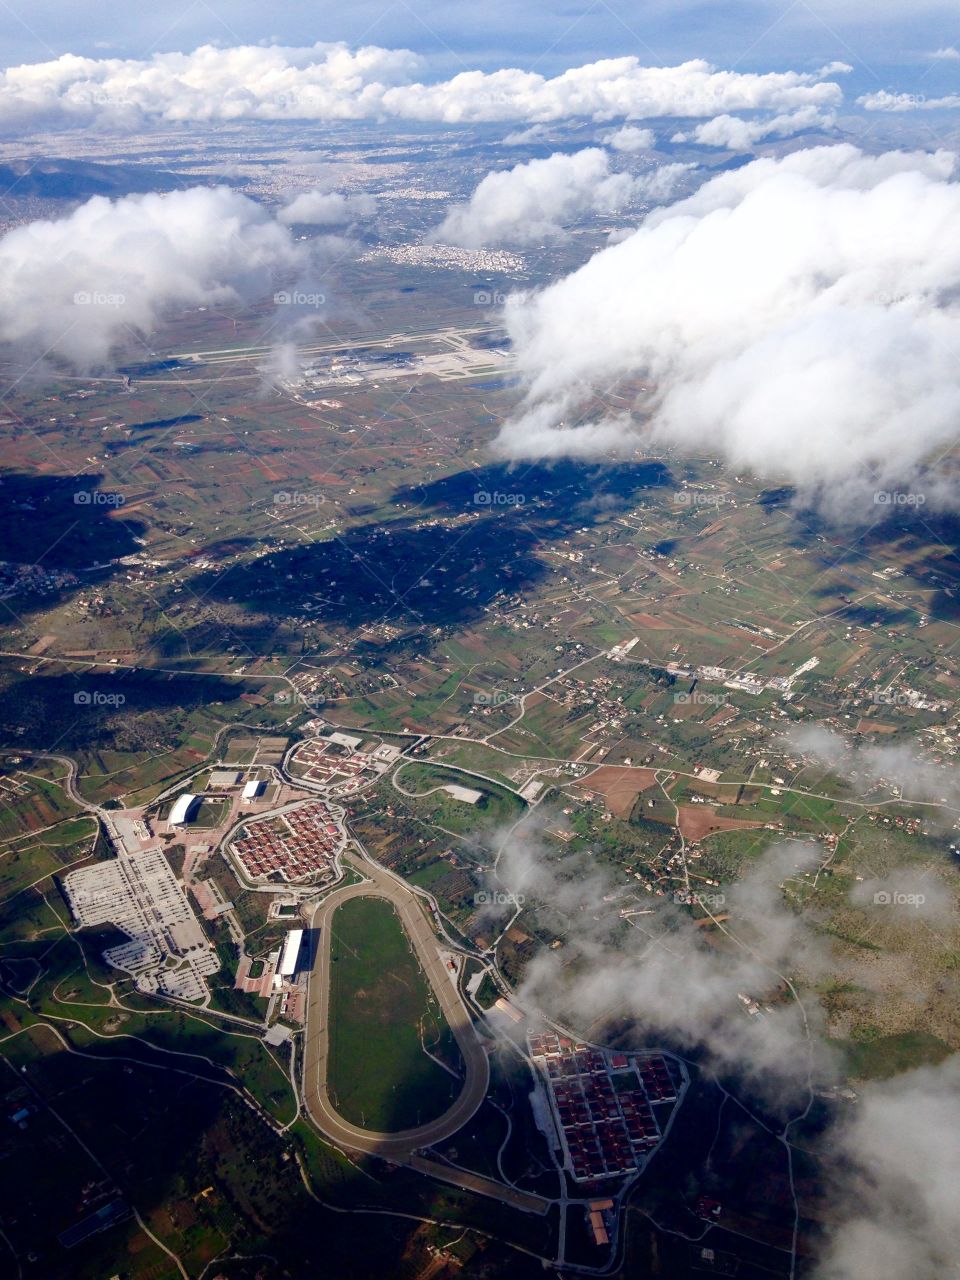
[{"x": 77, "y": 179}]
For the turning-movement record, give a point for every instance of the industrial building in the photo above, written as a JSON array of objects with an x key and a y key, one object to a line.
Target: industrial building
[{"x": 252, "y": 789}]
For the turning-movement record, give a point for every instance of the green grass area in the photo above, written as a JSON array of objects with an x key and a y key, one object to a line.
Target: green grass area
[
  {"x": 495, "y": 806},
  {"x": 878, "y": 1057},
  {"x": 427, "y": 877},
  {"x": 203, "y": 1171},
  {"x": 67, "y": 988},
  {"x": 34, "y": 859},
  {"x": 806, "y": 812},
  {"x": 28, "y": 804},
  {"x": 380, "y": 1076},
  {"x": 488, "y": 993},
  {"x": 211, "y": 812}
]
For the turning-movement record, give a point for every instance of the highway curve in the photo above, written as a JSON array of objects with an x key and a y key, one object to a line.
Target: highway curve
[{"x": 400, "y": 1145}]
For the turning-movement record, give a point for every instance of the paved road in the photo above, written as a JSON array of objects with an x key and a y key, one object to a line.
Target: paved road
[
  {"x": 524, "y": 1200},
  {"x": 400, "y": 1145}
]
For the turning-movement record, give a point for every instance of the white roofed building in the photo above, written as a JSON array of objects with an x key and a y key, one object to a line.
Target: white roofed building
[
  {"x": 289, "y": 956},
  {"x": 183, "y": 809}
]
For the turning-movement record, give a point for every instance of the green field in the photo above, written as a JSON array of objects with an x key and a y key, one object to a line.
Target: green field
[
  {"x": 380, "y": 1076},
  {"x": 495, "y": 807}
]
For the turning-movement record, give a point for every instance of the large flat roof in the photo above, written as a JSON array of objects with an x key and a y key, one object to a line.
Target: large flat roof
[{"x": 291, "y": 950}]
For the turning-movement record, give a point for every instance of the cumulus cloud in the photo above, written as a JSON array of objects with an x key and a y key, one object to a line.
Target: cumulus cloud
[
  {"x": 535, "y": 200},
  {"x": 738, "y": 134},
  {"x": 326, "y": 209},
  {"x": 334, "y": 82},
  {"x": 78, "y": 286},
  {"x": 631, "y": 138},
  {"x": 798, "y": 316},
  {"x": 883, "y": 100},
  {"x": 898, "y": 1165},
  {"x": 946, "y": 53}
]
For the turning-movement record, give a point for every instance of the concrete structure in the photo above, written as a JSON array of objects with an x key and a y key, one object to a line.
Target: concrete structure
[
  {"x": 465, "y": 794},
  {"x": 167, "y": 951},
  {"x": 183, "y": 810},
  {"x": 224, "y": 778},
  {"x": 252, "y": 789},
  {"x": 345, "y": 740}
]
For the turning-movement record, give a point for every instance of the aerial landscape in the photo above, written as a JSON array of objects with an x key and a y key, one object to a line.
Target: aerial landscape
[{"x": 480, "y": 640}]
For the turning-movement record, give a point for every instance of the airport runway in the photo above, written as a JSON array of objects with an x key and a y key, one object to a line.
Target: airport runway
[{"x": 398, "y": 1146}]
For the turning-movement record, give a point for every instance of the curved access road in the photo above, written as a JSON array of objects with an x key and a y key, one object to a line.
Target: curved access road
[{"x": 400, "y": 1145}]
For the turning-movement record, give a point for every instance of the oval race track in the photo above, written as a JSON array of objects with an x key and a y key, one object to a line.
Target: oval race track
[{"x": 400, "y": 1145}]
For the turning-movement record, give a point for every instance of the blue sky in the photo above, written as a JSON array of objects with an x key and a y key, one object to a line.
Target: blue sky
[{"x": 887, "y": 41}]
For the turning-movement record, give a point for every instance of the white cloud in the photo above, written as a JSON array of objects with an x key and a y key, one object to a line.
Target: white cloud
[
  {"x": 664, "y": 974},
  {"x": 334, "y": 82},
  {"x": 535, "y": 200},
  {"x": 947, "y": 53},
  {"x": 899, "y": 102},
  {"x": 326, "y": 209},
  {"x": 630, "y": 138},
  {"x": 522, "y": 137},
  {"x": 898, "y": 1168},
  {"x": 737, "y": 134},
  {"x": 78, "y": 286},
  {"x": 798, "y": 316},
  {"x": 869, "y": 767}
]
